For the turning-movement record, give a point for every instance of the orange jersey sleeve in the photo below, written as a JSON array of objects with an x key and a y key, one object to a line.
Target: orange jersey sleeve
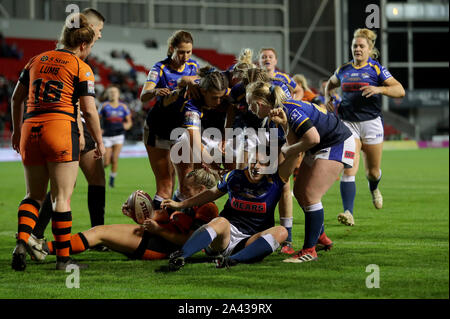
[{"x": 55, "y": 80}]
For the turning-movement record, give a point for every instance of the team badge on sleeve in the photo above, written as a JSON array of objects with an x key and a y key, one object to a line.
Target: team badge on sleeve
[
  {"x": 386, "y": 73},
  {"x": 295, "y": 115},
  {"x": 192, "y": 119},
  {"x": 91, "y": 87},
  {"x": 152, "y": 76}
]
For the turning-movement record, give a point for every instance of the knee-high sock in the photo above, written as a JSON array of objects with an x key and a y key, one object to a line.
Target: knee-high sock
[
  {"x": 44, "y": 217},
  {"x": 28, "y": 213},
  {"x": 96, "y": 204},
  {"x": 157, "y": 201},
  {"x": 200, "y": 239},
  {"x": 78, "y": 244},
  {"x": 287, "y": 223},
  {"x": 348, "y": 192},
  {"x": 61, "y": 228},
  {"x": 258, "y": 250},
  {"x": 314, "y": 217},
  {"x": 373, "y": 184}
]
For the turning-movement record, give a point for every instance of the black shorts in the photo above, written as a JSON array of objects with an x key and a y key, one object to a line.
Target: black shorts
[
  {"x": 89, "y": 141},
  {"x": 154, "y": 243}
]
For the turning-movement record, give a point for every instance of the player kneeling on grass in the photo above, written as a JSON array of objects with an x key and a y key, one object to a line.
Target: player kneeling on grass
[
  {"x": 245, "y": 230},
  {"x": 157, "y": 238}
]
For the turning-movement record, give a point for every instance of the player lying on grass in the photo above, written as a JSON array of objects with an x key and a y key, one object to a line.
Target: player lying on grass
[
  {"x": 328, "y": 146},
  {"x": 245, "y": 230},
  {"x": 153, "y": 240}
]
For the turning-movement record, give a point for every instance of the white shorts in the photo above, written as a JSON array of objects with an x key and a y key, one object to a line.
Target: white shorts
[
  {"x": 368, "y": 132},
  {"x": 235, "y": 238},
  {"x": 343, "y": 152},
  {"x": 109, "y": 141}
]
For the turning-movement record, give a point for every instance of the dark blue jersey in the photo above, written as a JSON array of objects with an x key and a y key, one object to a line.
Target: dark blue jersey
[
  {"x": 113, "y": 118},
  {"x": 285, "y": 78},
  {"x": 250, "y": 206},
  {"x": 174, "y": 111},
  {"x": 268, "y": 124},
  {"x": 304, "y": 115},
  {"x": 355, "y": 107},
  {"x": 164, "y": 77},
  {"x": 336, "y": 100},
  {"x": 168, "y": 114}
]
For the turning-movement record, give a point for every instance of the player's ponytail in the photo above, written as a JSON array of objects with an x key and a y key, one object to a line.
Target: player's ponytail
[
  {"x": 371, "y": 37},
  {"x": 212, "y": 79},
  {"x": 244, "y": 63},
  {"x": 255, "y": 75},
  {"x": 176, "y": 39},
  {"x": 278, "y": 96},
  {"x": 269, "y": 94},
  {"x": 76, "y": 31}
]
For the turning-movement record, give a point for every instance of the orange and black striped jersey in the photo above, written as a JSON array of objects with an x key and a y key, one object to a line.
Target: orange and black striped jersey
[{"x": 55, "y": 80}]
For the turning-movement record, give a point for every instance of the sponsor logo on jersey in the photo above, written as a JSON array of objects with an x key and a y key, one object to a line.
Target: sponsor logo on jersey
[
  {"x": 44, "y": 58},
  {"x": 353, "y": 86},
  {"x": 350, "y": 155},
  {"x": 246, "y": 206},
  {"x": 61, "y": 61}
]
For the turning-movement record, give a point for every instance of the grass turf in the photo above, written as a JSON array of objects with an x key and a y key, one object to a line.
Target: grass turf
[{"x": 408, "y": 239}]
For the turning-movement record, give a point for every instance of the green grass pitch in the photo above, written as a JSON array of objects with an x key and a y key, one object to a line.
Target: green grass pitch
[{"x": 408, "y": 240}]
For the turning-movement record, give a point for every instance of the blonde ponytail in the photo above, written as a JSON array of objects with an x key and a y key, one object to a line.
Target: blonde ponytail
[{"x": 269, "y": 94}]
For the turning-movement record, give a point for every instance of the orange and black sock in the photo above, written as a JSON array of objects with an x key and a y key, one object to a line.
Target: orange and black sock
[
  {"x": 28, "y": 216},
  {"x": 61, "y": 228},
  {"x": 78, "y": 244}
]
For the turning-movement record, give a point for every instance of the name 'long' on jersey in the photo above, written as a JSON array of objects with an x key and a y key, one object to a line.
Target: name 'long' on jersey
[
  {"x": 250, "y": 206},
  {"x": 113, "y": 118},
  {"x": 165, "y": 77},
  {"x": 303, "y": 115},
  {"x": 355, "y": 107}
]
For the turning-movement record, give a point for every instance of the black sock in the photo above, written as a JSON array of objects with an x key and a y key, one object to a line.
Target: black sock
[
  {"x": 96, "y": 204},
  {"x": 45, "y": 215}
]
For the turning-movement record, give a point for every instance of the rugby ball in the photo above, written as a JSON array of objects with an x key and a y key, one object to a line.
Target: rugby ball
[{"x": 139, "y": 206}]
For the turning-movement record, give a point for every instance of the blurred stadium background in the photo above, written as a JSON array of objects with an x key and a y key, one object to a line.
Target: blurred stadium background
[{"x": 311, "y": 37}]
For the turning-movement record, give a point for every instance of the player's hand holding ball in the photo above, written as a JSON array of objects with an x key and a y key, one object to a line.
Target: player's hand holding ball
[{"x": 168, "y": 203}]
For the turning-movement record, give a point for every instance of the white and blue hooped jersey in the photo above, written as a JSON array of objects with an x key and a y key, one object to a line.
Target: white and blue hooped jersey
[
  {"x": 165, "y": 77},
  {"x": 250, "y": 206},
  {"x": 355, "y": 107},
  {"x": 303, "y": 115},
  {"x": 113, "y": 118}
]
